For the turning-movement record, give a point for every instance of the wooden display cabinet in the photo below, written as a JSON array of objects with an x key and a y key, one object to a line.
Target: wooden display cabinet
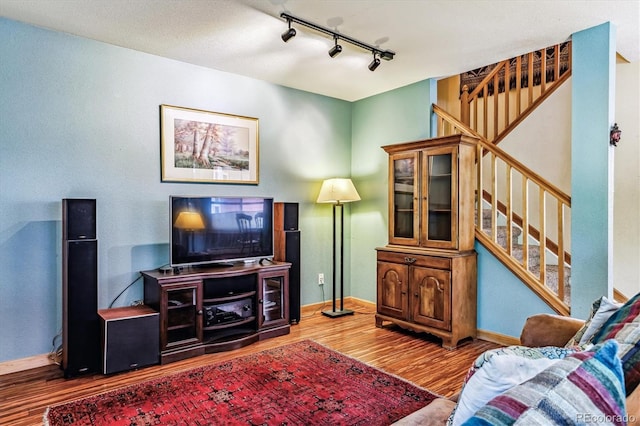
[
  {"x": 426, "y": 277},
  {"x": 217, "y": 308}
]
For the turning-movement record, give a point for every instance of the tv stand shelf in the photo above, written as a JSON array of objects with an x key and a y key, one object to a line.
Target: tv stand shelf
[{"x": 214, "y": 309}]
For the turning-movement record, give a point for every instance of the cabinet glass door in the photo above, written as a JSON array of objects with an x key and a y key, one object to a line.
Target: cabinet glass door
[
  {"x": 273, "y": 299},
  {"x": 403, "y": 199},
  {"x": 440, "y": 203},
  {"x": 182, "y": 318}
]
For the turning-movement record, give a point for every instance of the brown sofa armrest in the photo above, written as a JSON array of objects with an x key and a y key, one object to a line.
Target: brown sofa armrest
[{"x": 549, "y": 330}]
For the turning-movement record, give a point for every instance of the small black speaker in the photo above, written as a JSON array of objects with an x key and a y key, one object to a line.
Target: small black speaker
[
  {"x": 130, "y": 338},
  {"x": 286, "y": 216},
  {"x": 80, "y": 217},
  {"x": 80, "y": 322}
]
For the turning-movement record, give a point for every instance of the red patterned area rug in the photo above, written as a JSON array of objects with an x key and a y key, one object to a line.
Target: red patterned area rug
[{"x": 303, "y": 383}]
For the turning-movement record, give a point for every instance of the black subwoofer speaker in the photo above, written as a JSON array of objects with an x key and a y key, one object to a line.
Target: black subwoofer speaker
[
  {"x": 287, "y": 249},
  {"x": 130, "y": 338},
  {"x": 80, "y": 323}
]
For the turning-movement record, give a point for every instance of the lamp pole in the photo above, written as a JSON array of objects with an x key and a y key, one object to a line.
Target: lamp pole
[{"x": 338, "y": 192}]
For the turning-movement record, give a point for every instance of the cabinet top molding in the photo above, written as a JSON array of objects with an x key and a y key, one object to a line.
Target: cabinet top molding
[{"x": 430, "y": 143}]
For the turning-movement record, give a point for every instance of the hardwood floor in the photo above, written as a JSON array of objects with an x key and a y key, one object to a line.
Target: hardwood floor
[{"x": 414, "y": 357}]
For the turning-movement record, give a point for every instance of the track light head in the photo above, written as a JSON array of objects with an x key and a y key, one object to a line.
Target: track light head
[
  {"x": 335, "y": 50},
  {"x": 289, "y": 34},
  {"x": 375, "y": 63}
]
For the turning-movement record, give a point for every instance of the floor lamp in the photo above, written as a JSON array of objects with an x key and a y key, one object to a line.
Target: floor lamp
[{"x": 337, "y": 192}]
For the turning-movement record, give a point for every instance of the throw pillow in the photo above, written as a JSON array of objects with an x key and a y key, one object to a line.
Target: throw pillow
[
  {"x": 601, "y": 310},
  {"x": 585, "y": 387},
  {"x": 624, "y": 327},
  {"x": 497, "y": 371},
  {"x": 604, "y": 312},
  {"x": 576, "y": 338}
]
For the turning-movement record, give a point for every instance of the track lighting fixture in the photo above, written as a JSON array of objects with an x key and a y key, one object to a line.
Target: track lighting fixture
[
  {"x": 335, "y": 50},
  {"x": 378, "y": 54},
  {"x": 375, "y": 63},
  {"x": 289, "y": 34}
]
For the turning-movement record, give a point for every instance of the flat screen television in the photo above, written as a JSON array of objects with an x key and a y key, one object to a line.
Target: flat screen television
[{"x": 220, "y": 229}]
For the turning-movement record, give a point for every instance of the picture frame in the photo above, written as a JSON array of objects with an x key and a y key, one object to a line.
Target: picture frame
[{"x": 208, "y": 147}]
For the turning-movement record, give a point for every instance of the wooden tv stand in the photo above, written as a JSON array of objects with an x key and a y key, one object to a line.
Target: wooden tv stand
[{"x": 218, "y": 308}]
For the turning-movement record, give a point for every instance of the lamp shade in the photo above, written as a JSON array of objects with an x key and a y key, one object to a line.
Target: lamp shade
[
  {"x": 189, "y": 220},
  {"x": 337, "y": 191}
]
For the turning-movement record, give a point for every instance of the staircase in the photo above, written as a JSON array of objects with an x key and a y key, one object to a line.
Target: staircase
[{"x": 520, "y": 216}]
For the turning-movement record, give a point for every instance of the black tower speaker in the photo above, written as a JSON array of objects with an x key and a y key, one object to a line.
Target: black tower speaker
[
  {"x": 287, "y": 249},
  {"x": 80, "y": 322}
]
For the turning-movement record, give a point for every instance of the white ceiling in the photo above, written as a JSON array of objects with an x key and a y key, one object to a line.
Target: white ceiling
[{"x": 431, "y": 38}]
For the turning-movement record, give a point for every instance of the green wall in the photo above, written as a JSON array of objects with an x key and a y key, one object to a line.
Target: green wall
[{"x": 401, "y": 115}]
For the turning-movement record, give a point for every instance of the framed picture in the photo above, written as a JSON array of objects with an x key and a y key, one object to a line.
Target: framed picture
[{"x": 211, "y": 147}]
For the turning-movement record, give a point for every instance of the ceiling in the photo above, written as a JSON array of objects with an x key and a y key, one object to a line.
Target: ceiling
[{"x": 431, "y": 38}]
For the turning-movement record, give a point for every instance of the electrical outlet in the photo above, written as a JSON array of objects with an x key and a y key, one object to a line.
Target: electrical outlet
[{"x": 321, "y": 279}]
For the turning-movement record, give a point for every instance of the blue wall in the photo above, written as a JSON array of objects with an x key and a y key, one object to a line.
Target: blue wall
[
  {"x": 592, "y": 94},
  {"x": 504, "y": 302},
  {"x": 81, "y": 119}
]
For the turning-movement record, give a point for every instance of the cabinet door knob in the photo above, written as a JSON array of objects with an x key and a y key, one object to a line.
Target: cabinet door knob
[{"x": 199, "y": 312}]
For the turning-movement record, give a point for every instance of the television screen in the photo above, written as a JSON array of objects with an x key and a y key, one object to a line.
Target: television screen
[{"x": 220, "y": 229}]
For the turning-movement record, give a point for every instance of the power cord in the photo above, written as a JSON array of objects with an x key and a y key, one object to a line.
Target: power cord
[
  {"x": 324, "y": 304},
  {"x": 138, "y": 302},
  {"x": 321, "y": 308},
  {"x": 122, "y": 292},
  {"x": 55, "y": 355}
]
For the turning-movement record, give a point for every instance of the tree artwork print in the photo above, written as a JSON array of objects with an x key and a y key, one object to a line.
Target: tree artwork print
[{"x": 210, "y": 145}]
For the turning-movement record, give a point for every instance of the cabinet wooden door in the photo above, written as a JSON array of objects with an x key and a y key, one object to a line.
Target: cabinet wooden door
[
  {"x": 431, "y": 297},
  {"x": 392, "y": 286}
]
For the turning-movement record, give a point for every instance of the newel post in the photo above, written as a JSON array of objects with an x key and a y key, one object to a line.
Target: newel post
[{"x": 464, "y": 105}]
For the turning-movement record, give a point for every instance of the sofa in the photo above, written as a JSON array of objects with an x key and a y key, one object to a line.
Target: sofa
[{"x": 542, "y": 330}]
